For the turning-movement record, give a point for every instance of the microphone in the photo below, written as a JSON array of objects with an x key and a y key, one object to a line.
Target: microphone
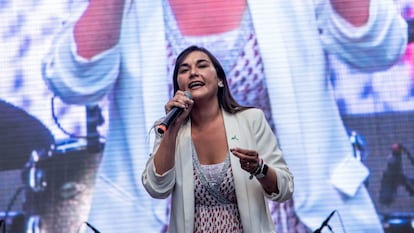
[
  {"x": 171, "y": 116},
  {"x": 93, "y": 228},
  {"x": 325, "y": 223}
]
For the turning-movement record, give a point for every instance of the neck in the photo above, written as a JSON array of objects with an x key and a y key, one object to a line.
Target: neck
[{"x": 202, "y": 116}]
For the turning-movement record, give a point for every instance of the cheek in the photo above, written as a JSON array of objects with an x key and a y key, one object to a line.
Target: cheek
[{"x": 181, "y": 82}]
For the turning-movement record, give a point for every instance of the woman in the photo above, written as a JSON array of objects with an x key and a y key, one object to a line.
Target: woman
[{"x": 212, "y": 187}]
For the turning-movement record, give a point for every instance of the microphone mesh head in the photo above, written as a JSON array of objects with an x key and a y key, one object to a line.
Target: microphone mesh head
[{"x": 188, "y": 94}]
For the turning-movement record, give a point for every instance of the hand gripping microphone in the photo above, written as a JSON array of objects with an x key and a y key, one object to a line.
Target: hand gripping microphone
[{"x": 171, "y": 116}]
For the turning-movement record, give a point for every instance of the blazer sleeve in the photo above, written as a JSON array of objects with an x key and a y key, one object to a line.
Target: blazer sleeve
[
  {"x": 158, "y": 186},
  {"x": 272, "y": 155}
]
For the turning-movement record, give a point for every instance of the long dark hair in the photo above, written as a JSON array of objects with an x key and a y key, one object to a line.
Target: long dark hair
[{"x": 225, "y": 99}]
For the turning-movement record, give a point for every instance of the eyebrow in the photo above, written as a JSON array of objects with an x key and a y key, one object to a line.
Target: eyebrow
[{"x": 198, "y": 62}]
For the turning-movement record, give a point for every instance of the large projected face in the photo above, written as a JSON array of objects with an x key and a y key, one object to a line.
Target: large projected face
[{"x": 82, "y": 86}]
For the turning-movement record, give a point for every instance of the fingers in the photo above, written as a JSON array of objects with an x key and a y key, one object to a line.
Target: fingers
[
  {"x": 249, "y": 159},
  {"x": 244, "y": 154},
  {"x": 247, "y": 166},
  {"x": 180, "y": 100}
]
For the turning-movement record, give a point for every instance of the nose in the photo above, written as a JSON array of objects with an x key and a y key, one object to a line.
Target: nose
[{"x": 193, "y": 72}]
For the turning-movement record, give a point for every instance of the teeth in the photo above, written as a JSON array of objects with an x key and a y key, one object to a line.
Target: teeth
[{"x": 195, "y": 84}]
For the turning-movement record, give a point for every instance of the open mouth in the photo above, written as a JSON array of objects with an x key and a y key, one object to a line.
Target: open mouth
[{"x": 195, "y": 84}]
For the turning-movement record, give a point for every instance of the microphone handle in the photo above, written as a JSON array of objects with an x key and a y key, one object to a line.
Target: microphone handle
[
  {"x": 170, "y": 118},
  {"x": 165, "y": 124}
]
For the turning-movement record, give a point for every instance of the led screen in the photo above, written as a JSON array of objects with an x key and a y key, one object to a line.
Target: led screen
[{"x": 52, "y": 148}]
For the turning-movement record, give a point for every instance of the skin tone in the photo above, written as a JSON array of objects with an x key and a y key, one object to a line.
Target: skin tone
[
  {"x": 198, "y": 76},
  {"x": 99, "y": 27},
  {"x": 355, "y": 12},
  {"x": 223, "y": 16}
]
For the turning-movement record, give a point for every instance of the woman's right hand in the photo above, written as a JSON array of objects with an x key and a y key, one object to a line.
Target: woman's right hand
[{"x": 181, "y": 100}]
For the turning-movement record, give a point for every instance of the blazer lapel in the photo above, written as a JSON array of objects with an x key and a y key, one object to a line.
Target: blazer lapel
[{"x": 235, "y": 139}]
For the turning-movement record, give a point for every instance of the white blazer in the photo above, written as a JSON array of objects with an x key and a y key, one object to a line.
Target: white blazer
[{"x": 247, "y": 129}]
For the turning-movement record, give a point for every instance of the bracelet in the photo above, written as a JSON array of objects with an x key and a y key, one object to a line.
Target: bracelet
[
  {"x": 263, "y": 173},
  {"x": 258, "y": 170}
]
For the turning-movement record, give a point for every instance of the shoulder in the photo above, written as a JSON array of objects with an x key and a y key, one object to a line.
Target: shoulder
[
  {"x": 251, "y": 113},
  {"x": 248, "y": 116}
]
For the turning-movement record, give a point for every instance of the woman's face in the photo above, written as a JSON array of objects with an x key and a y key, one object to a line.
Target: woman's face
[{"x": 198, "y": 75}]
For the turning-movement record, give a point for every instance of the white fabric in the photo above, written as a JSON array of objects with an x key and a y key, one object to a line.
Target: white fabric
[
  {"x": 345, "y": 183},
  {"x": 248, "y": 129},
  {"x": 309, "y": 128}
]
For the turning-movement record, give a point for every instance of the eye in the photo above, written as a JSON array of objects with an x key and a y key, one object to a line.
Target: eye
[
  {"x": 183, "y": 70},
  {"x": 203, "y": 65}
]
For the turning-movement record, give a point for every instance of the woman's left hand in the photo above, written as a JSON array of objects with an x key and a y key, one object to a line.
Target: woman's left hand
[{"x": 249, "y": 159}]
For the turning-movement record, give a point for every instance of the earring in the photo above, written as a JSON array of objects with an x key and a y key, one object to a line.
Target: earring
[{"x": 220, "y": 84}]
